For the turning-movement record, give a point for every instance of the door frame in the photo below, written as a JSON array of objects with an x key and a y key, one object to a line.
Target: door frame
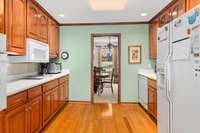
[{"x": 93, "y": 35}]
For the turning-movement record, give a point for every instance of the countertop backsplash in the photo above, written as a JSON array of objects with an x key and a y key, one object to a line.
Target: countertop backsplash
[{"x": 17, "y": 71}]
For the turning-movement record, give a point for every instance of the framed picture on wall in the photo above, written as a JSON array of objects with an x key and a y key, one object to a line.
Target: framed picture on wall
[{"x": 135, "y": 54}]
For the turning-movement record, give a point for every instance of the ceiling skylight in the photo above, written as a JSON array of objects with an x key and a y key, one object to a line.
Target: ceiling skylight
[{"x": 107, "y": 5}]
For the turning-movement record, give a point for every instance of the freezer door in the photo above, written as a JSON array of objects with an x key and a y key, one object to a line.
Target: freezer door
[
  {"x": 163, "y": 46},
  {"x": 180, "y": 28},
  {"x": 163, "y": 111}
]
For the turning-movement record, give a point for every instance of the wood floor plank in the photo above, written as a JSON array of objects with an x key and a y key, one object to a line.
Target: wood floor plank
[{"x": 101, "y": 118}]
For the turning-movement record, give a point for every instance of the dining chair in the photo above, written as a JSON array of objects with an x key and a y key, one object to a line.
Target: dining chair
[{"x": 110, "y": 80}]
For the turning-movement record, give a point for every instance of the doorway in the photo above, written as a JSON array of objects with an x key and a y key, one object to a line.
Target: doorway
[{"x": 105, "y": 68}]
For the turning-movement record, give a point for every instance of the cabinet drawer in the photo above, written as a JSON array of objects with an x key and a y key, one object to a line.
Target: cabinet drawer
[
  {"x": 152, "y": 83},
  {"x": 34, "y": 92},
  {"x": 50, "y": 85},
  {"x": 63, "y": 79},
  {"x": 17, "y": 99}
]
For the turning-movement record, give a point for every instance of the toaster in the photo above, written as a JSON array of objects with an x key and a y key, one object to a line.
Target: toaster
[{"x": 54, "y": 68}]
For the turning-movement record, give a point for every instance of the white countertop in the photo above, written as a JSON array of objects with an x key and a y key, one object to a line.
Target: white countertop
[
  {"x": 24, "y": 84},
  {"x": 149, "y": 73}
]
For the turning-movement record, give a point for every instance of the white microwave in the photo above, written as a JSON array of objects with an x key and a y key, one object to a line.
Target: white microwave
[
  {"x": 2, "y": 43},
  {"x": 36, "y": 52}
]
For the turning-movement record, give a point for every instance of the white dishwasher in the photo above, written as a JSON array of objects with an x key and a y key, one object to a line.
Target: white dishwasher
[{"x": 143, "y": 91}]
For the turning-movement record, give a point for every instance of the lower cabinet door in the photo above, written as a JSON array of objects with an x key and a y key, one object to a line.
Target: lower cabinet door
[
  {"x": 55, "y": 99},
  {"x": 152, "y": 101},
  {"x": 46, "y": 106},
  {"x": 62, "y": 93},
  {"x": 16, "y": 120},
  {"x": 35, "y": 115},
  {"x": 66, "y": 91}
]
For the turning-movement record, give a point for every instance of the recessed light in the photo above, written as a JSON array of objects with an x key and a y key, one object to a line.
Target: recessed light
[
  {"x": 61, "y": 15},
  {"x": 143, "y": 14},
  {"x": 108, "y": 5}
]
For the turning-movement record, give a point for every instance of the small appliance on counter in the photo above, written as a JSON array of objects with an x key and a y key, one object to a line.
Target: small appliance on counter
[
  {"x": 54, "y": 68},
  {"x": 43, "y": 69}
]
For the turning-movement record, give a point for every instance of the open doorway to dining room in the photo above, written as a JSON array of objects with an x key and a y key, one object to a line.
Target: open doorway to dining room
[{"x": 105, "y": 68}]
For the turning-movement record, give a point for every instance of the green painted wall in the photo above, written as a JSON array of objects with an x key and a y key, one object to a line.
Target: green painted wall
[{"x": 76, "y": 40}]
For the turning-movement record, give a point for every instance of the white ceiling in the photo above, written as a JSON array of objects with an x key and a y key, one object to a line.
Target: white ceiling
[{"x": 80, "y": 11}]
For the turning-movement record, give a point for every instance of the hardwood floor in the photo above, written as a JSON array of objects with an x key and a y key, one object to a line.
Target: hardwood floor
[{"x": 101, "y": 118}]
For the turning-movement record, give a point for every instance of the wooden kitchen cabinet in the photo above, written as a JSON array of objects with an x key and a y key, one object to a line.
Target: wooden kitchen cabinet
[
  {"x": 152, "y": 105},
  {"x": 43, "y": 27},
  {"x": 50, "y": 100},
  {"x": 63, "y": 93},
  {"x": 174, "y": 10},
  {"x": 165, "y": 17},
  {"x": 16, "y": 121},
  {"x": 53, "y": 39},
  {"x": 32, "y": 20},
  {"x": 34, "y": 115},
  {"x": 47, "y": 98},
  {"x": 192, "y": 3},
  {"x": 2, "y": 16},
  {"x": 55, "y": 99},
  {"x": 37, "y": 23},
  {"x": 178, "y": 8},
  {"x": 64, "y": 89},
  {"x": 16, "y": 26},
  {"x": 152, "y": 98},
  {"x": 1, "y": 122},
  {"x": 29, "y": 111},
  {"x": 153, "y": 27}
]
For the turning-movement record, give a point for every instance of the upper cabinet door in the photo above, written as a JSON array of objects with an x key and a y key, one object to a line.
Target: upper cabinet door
[
  {"x": 37, "y": 22},
  {"x": 57, "y": 40},
  {"x": 192, "y": 3},
  {"x": 178, "y": 9},
  {"x": 43, "y": 27},
  {"x": 53, "y": 39},
  {"x": 16, "y": 26},
  {"x": 32, "y": 20},
  {"x": 2, "y": 16},
  {"x": 165, "y": 17},
  {"x": 154, "y": 25}
]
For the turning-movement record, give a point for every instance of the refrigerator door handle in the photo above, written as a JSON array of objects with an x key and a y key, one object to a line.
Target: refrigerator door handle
[
  {"x": 166, "y": 86},
  {"x": 167, "y": 73},
  {"x": 168, "y": 92}
]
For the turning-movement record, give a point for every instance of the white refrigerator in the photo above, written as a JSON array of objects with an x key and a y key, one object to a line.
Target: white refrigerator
[
  {"x": 163, "y": 103},
  {"x": 179, "y": 80},
  {"x": 3, "y": 71}
]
